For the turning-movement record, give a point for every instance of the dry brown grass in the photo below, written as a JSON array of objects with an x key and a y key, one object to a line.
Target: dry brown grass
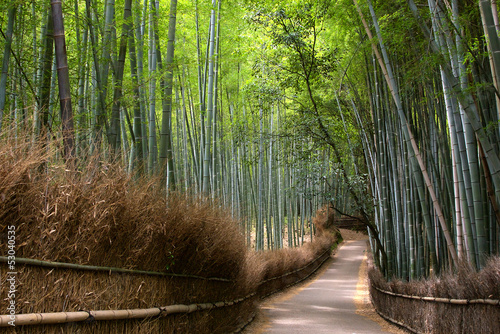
[
  {"x": 432, "y": 317},
  {"x": 325, "y": 219},
  {"x": 102, "y": 216}
]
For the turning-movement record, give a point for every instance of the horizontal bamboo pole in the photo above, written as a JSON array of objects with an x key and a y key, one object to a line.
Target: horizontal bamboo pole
[
  {"x": 50, "y": 264},
  {"x": 442, "y": 300},
  {"x": 299, "y": 280},
  {"x": 43, "y": 318},
  {"x": 297, "y": 270},
  {"x": 399, "y": 323},
  {"x": 64, "y": 317},
  {"x": 124, "y": 314}
]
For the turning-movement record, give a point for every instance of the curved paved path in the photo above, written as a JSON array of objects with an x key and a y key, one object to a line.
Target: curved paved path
[{"x": 327, "y": 304}]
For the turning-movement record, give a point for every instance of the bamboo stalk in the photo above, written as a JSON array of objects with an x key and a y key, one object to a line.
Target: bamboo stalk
[
  {"x": 5, "y": 62},
  {"x": 166, "y": 159},
  {"x": 107, "y": 315},
  {"x": 153, "y": 63},
  {"x": 44, "y": 318},
  {"x": 409, "y": 137},
  {"x": 68, "y": 130},
  {"x": 51, "y": 264},
  {"x": 114, "y": 135},
  {"x": 396, "y": 322},
  {"x": 210, "y": 108}
]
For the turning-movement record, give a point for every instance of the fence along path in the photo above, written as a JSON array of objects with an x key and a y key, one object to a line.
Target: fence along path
[
  {"x": 327, "y": 304},
  {"x": 266, "y": 287}
]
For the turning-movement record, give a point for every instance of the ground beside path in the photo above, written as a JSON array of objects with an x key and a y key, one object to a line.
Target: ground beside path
[{"x": 335, "y": 301}]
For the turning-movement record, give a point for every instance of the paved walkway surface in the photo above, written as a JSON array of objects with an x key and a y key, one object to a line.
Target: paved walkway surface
[{"x": 327, "y": 304}]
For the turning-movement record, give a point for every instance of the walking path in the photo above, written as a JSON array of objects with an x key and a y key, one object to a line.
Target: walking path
[{"x": 327, "y": 304}]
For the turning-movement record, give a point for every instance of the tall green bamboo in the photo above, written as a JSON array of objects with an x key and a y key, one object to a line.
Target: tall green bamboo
[
  {"x": 387, "y": 70},
  {"x": 114, "y": 135},
  {"x": 46, "y": 73},
  {"x": 137, "y": 153},
  {"x": 81, "y": 114},
  {"x": 68, "y": 133},
  {"x": 166, "y": 156},
  {"x": 210, "y": 104},
  {"x": 6, "y": 58},
  {"x": 152, "y": 144},
  {"x": 100, "y": 106}
]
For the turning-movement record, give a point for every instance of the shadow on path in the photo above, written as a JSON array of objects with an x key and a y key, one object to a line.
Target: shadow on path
[{"x": 326, "y": 305}]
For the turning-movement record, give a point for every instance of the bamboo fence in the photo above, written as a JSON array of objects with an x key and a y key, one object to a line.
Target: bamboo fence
[
  {"x": 438, "y": 318},
  {"x": 493, "y": 302},
  {"x": 109, "y": 315},
  {"x": 89, "y": 316}
]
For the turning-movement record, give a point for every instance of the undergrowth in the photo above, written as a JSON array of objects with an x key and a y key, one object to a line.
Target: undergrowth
[
  {"x": 103, "y": 216},
  {"x": 463, "y": 283}
]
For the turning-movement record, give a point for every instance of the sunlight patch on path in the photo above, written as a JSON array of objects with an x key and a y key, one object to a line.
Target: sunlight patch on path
[{"x": 326, "y": 304}]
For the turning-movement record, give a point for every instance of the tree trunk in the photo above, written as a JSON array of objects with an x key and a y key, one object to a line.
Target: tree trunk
[
  {"x": 210, "y": 105},
  {"x": 166, "y": 157},
  {"x": 64, "y": 85},
  {"x": 47, "y": 60},
  {"x": 6, "y": 58}
]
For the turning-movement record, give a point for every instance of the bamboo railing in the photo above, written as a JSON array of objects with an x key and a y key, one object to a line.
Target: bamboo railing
[
  {"x": 107, "y": 315},
  {"x": 406, "y": 323},
  {"x": 64, "y": 317},
  {"x": 443, "y": 300}
]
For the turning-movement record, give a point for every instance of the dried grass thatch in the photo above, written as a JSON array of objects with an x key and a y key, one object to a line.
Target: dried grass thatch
[
  {"x": 103, "y": 217},
  {"x": 443, "y": 317},
  {"x": 325, "y": 219}
]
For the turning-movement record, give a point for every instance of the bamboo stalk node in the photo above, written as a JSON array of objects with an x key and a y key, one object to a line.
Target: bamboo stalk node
[{"x": 90, "y": 319}]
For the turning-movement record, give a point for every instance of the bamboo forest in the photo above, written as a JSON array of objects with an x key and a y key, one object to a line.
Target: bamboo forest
[{"x": 386, "y": 113}]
